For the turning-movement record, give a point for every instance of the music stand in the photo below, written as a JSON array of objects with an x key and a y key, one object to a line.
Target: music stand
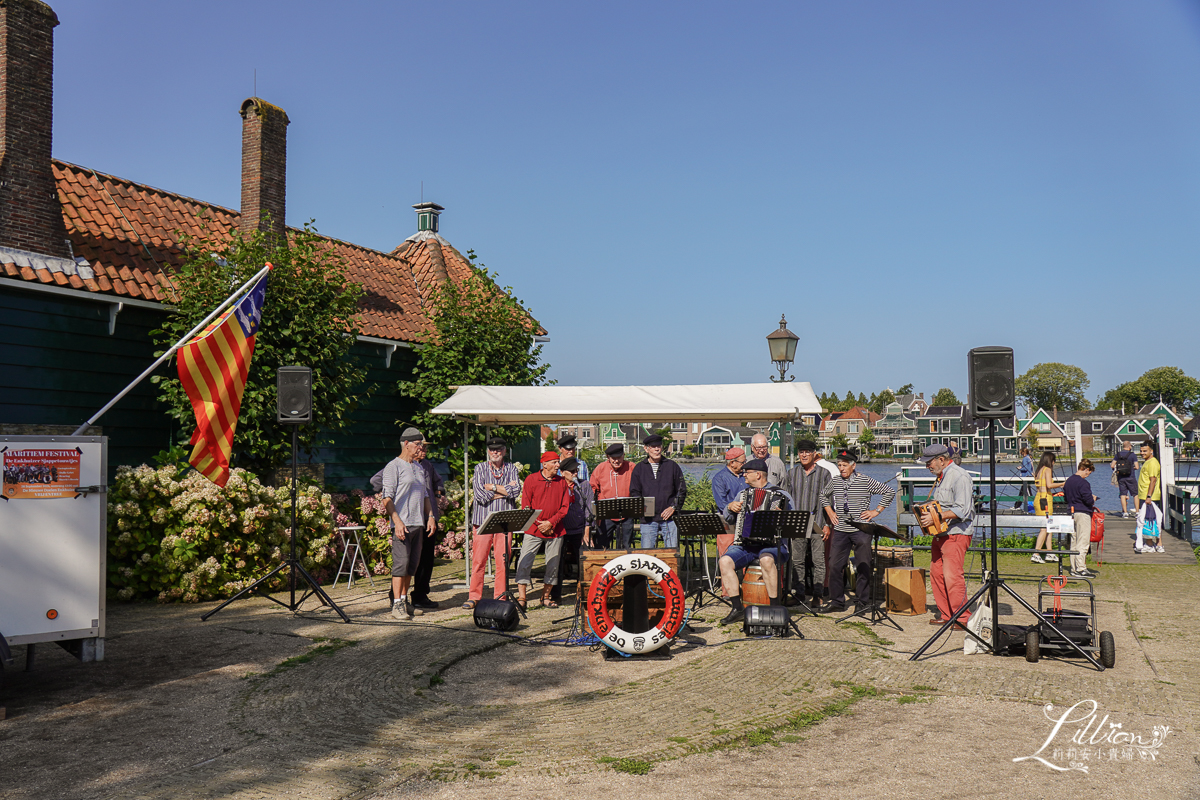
[
  {"x": 873, "y": 613},
  {"x": 700, "y": 526},
  {"x": 508, "y": 522},
  {"x": 624, "y": 508},
  {"x": 780, "y": 525}
]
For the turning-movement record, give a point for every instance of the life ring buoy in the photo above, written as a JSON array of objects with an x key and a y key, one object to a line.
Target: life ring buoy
[{"x": 669, "y": 584}]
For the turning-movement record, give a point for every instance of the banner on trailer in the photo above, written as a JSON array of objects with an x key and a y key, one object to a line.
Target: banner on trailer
[{"x": 41, "y": 474}]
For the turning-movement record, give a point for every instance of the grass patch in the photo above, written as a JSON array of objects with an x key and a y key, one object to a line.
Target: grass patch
[
  {"x": 506, "y": 762},
  {"x": 868, "y": 632},
  {"x": 924, "y": 689},
  {"x": 791, "y": 738},
  {"x": 760, "y": 737},
  {"x": 720, "y": 731},
  {"x": 632, "y": 766},
  {"x": 678, "y": 739},
  {"x": 905, "y": 699},
  {"x": 323, "y": 647},
  {"x": 436, "y": 680}
]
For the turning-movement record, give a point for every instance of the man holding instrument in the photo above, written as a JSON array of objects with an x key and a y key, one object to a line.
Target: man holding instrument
[
  {"x": 847, "y": 497},
  {"x": 954, "y": 492},
  {"x": 760, "y": 495},
  {"x": 727, "y": 484}
]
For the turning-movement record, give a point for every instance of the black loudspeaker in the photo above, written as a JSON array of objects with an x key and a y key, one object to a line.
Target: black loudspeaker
[
  {"x": 496, "y": 615},
  {"x": 765, "y": 621},
  {"x": 294, "y": 399},
  {"x": 992, "y": 387}
]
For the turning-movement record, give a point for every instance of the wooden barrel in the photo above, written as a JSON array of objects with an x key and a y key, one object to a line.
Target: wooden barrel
[{"x": 754, "y": 588}]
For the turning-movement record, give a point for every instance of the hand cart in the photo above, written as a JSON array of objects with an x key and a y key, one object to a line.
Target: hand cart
[{"x": 1079, "y": 626}]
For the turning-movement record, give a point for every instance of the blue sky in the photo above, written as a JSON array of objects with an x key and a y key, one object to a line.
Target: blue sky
[{"x": 660, "y": 181}]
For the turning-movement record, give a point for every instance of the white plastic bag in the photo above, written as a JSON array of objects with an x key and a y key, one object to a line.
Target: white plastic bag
[{"x": 981, "y": 624}]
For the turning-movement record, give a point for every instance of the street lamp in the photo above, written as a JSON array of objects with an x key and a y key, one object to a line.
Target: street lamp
[{"x": 783, "y": 350}]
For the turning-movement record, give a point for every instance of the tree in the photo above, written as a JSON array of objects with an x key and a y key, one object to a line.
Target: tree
[
  {"x": 826, "y": 405},
  {"x": 838, "y": 442},
  {"x": 482, "y": 336},
  {"x": 1176, "y": 388},
  {"x": 1031, "y": 436},
  {"x": 905, "y": 389},
  {"x": 309, "y": 318},
  {"x": 1054, "y": 385},
  {"x": 945, "y": 397},
  {"x": 885, "y": 397},
  {"x": 847, "y": 401},
  {"x": 866, "y": 438}
]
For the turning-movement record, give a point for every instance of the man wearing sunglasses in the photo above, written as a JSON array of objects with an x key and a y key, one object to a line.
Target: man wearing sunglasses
[{"x": 845, "y": 498}]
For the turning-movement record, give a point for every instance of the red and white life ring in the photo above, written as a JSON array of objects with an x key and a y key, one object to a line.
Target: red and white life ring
[{"x": 669, "y": 584}]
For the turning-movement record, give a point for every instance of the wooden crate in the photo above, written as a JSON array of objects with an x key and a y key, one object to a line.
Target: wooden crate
[{"x": 592, "y": 563}]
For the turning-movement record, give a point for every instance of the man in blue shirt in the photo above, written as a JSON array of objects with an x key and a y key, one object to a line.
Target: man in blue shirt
[
  {"x": 1123, "y": 465},
  {"x": 727, "y": 484},
  {"x": 1026, "y": 472}
]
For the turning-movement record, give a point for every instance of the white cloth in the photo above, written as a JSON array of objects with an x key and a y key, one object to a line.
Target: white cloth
[
  {"x": 1140, "y": 524},
  {"x": 829, "y": 466}
]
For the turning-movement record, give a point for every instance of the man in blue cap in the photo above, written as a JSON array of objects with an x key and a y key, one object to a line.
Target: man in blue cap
[{"x": 759, "y": 495}]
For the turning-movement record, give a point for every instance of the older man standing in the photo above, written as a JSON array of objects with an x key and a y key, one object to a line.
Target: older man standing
[
  {"x": 405, "y": 485},
  {"x": 847, "y": 498},
  {"x": 420, "y": 592},
  {"x": 953, "y": 491},
  {"x": 727, "y": 484},
  {"x": 806, "y": 483},
  {"x": 567, "y": 445},
  {"x": 761, "y": 448},
  {"x": 661, "y": 478},
  {"x": 547, "y": 492},
  {"x": 610, "y": 480},
  {"x": 495, "y": 486}
]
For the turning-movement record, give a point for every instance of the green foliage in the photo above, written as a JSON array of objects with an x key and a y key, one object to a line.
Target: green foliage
[
  {"x": 309, "y": 319},
  {"x": 847, "y": 401},
  {"x": 699, "y": 493},
  {"x": 945, "y": 397},
  {"x": 1177, "y": 389},
  {"x": 866, "y": 439},
  {"x": 483, "y": 336},
  {"x": 181, "y": 537},
  {"x": 1054, "y": 385},
  {"x": 905, "y": 389},
  {"x": 838, "y": 442}
]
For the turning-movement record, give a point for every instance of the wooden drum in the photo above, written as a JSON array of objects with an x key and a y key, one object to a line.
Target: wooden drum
[{"x": 754, "y": 588}]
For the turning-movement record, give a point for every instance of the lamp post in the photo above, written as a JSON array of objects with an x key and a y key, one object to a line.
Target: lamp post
[{"x": 783, "y": 350}]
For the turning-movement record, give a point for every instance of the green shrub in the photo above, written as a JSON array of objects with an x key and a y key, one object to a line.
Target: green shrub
[{"x": 176, "y": 537}]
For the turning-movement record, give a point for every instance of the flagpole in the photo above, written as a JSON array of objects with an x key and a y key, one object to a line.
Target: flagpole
[{"x": 228, "y": 302}]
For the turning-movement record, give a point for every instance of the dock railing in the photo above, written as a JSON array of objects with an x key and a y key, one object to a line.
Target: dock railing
[{"x": 1181, "y": 508}]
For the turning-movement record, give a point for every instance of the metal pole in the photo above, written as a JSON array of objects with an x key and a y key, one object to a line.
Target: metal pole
[
  {"x": 994, "y": 597},
  {"x": 468, "y": 496},
  {"x": 292, "y": 578},
  {"x": 228, "y": 302}
]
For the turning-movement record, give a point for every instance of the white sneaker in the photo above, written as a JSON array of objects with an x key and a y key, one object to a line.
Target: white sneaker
[
  {"x": 1159, "y": 549},
  {"x": 1036, "y": 559},
  {"x": 1143, "y": 549},
  {"x": 1051, "y": 557},
  {"x": 398, "y": 611}
]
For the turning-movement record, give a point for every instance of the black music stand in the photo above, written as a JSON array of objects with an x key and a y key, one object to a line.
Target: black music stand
[
  {"x": 508, "y": 522},
  {"x": 624, "y": 508},
  {"x": 873, "y": 613},
  {"x": 777, "y": 526},
  {"x": 696, "y": 528}
]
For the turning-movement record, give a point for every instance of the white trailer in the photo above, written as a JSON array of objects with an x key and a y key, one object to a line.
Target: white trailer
[{"x": 53, "y": 520}]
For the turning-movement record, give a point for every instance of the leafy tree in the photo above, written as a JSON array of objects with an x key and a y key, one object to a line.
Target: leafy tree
[
  {"x": 1054, "y": 385},
  {"x": 847, "y": 401},
  {"x": 866, "y": 439},
  {"x": 825, "y": 403},
  {"x": 309, "y": 318},
  {"x": 838, "y": 442},
  {"x": 1176, "y": 388},
  {"x": 482, "y": 336},
  {"x": 1031, "y": 436},
  {"x": 905, "y": 389},
  {"x": 881, "y": 402},
  {"x": 945, "y": 397},
  {"x": 862, "y": 400}
]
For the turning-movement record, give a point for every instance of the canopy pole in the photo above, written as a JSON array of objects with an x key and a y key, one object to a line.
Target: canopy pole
[{"x": 468, "y": 498}]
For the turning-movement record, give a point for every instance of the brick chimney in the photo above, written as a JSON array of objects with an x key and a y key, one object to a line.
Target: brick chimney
[
  {"x": 30, "y": 215},
  {"x": 264, "y": 168}
]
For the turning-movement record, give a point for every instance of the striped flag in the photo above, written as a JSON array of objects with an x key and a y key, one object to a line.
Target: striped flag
[{"x": 213, "y": 368}]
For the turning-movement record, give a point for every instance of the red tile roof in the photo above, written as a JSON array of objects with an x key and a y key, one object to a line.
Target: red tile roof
[{"x": 130, "y": 235}]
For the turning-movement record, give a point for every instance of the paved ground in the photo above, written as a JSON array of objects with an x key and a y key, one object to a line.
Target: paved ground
[{"x": 259, "y": 703}]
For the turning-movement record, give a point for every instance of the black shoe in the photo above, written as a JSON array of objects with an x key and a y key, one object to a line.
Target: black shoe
[
  {"x": 735, "y": 615},
  {"x": 834, "y": 608},
  {"x": 815, "y": 605},
  {"x": 791, "y": 600},
  {"x": 424, "y": 602}
]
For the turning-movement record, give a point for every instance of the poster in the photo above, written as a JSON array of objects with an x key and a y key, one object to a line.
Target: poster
[{"x": 40, "y": 474}]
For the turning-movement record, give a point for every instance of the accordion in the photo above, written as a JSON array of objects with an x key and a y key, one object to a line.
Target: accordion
[{"x": 745, "y": 533}]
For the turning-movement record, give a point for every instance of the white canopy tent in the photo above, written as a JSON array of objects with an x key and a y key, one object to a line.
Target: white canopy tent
[{"x": 537, "y": 405}]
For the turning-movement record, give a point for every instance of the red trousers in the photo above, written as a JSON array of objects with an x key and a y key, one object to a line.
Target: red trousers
[
  {"x": 946, "y": 574},
  {"x": 481, "y": 547}
]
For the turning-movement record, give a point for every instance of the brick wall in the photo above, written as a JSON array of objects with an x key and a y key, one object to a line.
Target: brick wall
[
  {"x": 264, "y": 167},
  {"x": 30, "y": 215}
]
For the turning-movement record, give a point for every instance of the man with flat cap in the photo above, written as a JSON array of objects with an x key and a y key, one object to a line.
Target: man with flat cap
[
  {"x": 611, "y": 480},
  {"x": 847, "y": 498},
  {"x": 406, "y": 487},
  {"x": 954, "y": 492},
  {"x": 661, "y": 478},
  {"x": 495, "y": 486},
  {"x": 806, "y": 483},
  {"x": 727, "y": 484},
  {"x": 567, "y": 445},
  {"x": 759, "y": 495}
]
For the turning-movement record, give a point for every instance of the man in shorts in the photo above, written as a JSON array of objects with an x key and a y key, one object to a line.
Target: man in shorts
[
  {"x": 406, "y": 487},
  {"x": 1124, "y": 464}
]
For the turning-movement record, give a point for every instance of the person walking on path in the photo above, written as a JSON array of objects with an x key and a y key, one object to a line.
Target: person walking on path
[
  {"x": 1149, "y": 494},
  {"x": 1124, "y": 464},
  {"x": 1043, "y": 503},
  {"x": 1077, "y": 493}
]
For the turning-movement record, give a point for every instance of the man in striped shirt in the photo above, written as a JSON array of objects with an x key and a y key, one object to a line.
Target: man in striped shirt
[
  {"x": 805, "y": 483},
  {"x": 495, "y": 486},
  {"x": 848, "y": 497}
]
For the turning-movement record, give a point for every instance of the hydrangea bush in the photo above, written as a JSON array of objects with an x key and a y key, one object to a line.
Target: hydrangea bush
[{"x": 184, "y": 538}]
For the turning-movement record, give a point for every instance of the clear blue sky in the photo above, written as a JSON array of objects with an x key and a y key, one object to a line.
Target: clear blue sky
[{"x": 659, "y": 181}]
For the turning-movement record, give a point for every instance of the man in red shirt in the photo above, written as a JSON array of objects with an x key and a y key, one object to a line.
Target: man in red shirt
[
  {"x": 546, "y": 491},
  {"x": 611, "y": 479}
]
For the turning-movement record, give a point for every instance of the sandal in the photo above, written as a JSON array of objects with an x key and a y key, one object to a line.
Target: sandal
[
  {"x": 469, "y": 604},
  {"x": 550, "y": 603}
]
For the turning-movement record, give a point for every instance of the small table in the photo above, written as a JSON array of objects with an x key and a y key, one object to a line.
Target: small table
[{"x": 352, "y": 553}]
